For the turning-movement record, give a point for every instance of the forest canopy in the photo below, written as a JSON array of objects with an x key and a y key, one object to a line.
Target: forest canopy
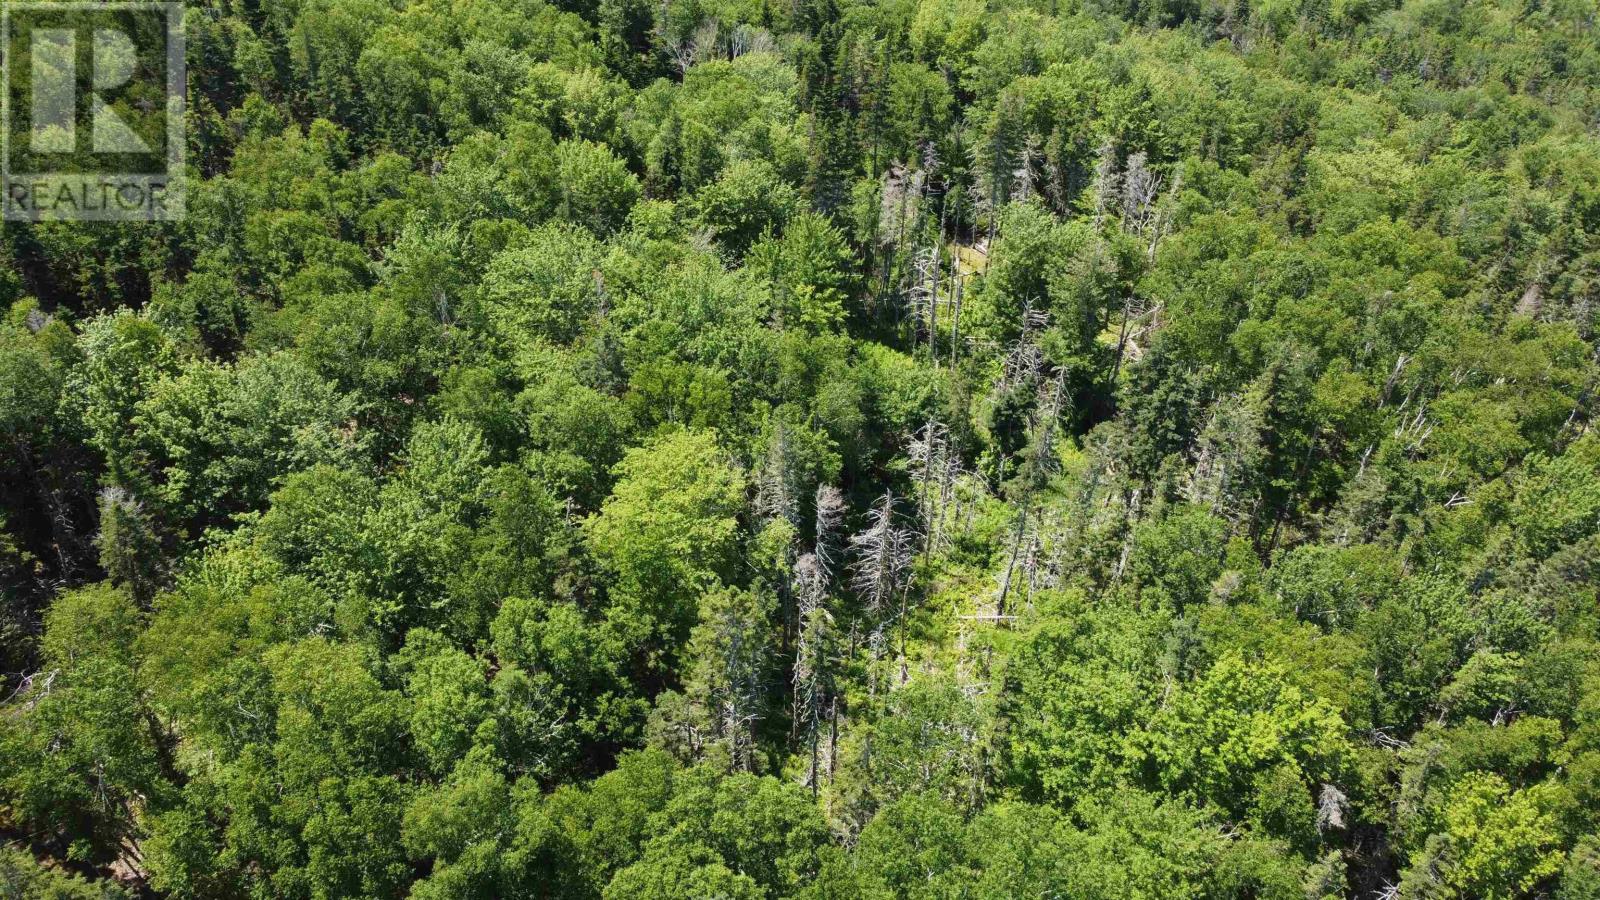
[{"x": 820, "y": 449}]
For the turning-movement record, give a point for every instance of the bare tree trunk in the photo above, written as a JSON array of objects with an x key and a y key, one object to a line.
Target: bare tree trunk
[
  {"x": 1011, "y": 563},
  {"x": 816, "y": 736},
  {"x": 955, "y": 322},
  {"x": 1122, "y": 342},
  {"x": 904, "y": 627},
  {"x": 1041, "y": 466},
  {"x": 938, "y": 276},
  {"x": 933, "y": 306},
  {"x": 833, "y": 738}
]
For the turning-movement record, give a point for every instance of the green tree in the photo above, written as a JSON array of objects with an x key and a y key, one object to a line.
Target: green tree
[
  {"x": 1496, "y": 843},
  {"x": 85, "y": 751},
  {"x": 810, "y": 270},
  {"x": 667, "y": 533},
  {"x": 23, "y": 878},
  {"x": 1240, "y": 722},
  {"x": 596, "y": 188}
]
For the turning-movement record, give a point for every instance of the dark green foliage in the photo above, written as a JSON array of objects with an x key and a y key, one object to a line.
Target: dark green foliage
[{"x": 842, "y": 448}]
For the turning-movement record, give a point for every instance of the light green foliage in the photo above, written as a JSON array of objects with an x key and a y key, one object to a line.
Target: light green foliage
[
  {"x": 1081, "y": 679},
  {"x": 746, "y": 201},
  {"x": 1022, "y": 274},
  {"x": 420, "y": 529},
  {"x": 460, "y": 825},
  {"x": 930, "y": 739},
  {"x": 1176, "y": 559},
  {"x": 808, "y": 268},
  {"x": 908, "y": 845},
  {"x": 1561, "y": 501},
  {"x": 448, "y": 692},
  {"x": 668, "y": 532},
  {"x": 1333, "y": 586},
  {"x": 728, "y": 660},
  {"x": 502, "y": 177},
  {"x": 1581, "y": 878},
  {"x": 597, "y": 190},
  {"x": 545, "y": 286},
  {"x": 300, "y": 829},
  {"x": 560, "y": 681},
  {"x": 610, "y": 819},
  {"x": 212, "y": 432},
  {"x": 1137, "y": 846},
  {"x": 82, "y": 746},
  {"x": 1239, "y": 723},
  {"x": 130, "y": 548},
  {"x": 1495, "y": 842},
  {"x": 680, "y": 878},
  {"x": 739, "y": 834},
  {"x": 946, "y": 32},
  {"x": 123, "y": 357},
  {"x": 722, "y": 111},
  {"x": 576, "y": 433}
]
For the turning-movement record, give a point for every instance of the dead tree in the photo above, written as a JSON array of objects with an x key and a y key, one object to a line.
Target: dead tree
[
  {"x": 830, "y": 515},
  {"x": 1024, "y": 358},
  {"x": 924, "y": 296},
  {"x": 777, "y": 484},
  {"x": 1037, "y": 468},
  {"x": 1140, "y": 187},
  {"x": 880, "y": 571},
  {"x": 810, "y": 678},
  {"x": 1229, "y": 456},
  {"x": 934, "y": 468},
  {"x": 1026, "y": 172},
  {"x": 1107, "y": 183}
]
